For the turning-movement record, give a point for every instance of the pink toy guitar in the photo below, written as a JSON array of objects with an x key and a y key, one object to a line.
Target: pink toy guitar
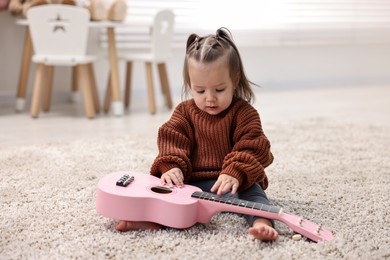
[{"x": 136, "y": 196}]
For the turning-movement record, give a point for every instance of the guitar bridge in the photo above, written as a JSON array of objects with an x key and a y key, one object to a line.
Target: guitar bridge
[{"x": 124, "y": 180}]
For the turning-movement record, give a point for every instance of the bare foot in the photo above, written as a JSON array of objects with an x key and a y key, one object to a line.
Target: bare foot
[
  {"x": 263, "y": 230},
  {"x": 124, "y": 226}
]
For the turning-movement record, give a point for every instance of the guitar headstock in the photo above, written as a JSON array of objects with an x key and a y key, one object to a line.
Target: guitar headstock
[
  {"x": 307, "y": 228},
  {"x": 125, "y": 180}
]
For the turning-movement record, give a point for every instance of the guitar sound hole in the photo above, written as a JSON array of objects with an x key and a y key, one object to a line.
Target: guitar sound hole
[{"x": 162, "y": 190}]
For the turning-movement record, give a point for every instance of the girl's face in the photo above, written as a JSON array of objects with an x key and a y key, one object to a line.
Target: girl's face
[{"x": 211, "y": 85}]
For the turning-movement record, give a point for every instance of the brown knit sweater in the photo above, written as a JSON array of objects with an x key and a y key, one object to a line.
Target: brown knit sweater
[{"x": 204, "y": 146}]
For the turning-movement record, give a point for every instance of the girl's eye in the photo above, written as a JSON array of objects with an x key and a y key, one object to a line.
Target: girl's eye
[
  {"x": 200, "y": 91},
  {"x": 220, "y": 90}
]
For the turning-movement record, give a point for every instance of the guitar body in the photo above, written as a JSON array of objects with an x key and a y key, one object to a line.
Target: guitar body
[
  {"x": 145, "y": 199},
  {"x": 135, "y": 196}
]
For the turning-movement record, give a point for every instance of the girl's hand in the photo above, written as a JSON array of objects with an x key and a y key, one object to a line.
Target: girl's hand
[
  {"x": 173, "y": 177},
  {"x": 224, "y": 184}
]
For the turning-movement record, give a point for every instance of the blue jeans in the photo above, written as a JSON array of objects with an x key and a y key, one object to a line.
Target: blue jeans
[{"x": 254, "y": 193}]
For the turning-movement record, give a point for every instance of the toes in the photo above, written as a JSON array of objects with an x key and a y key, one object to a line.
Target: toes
[
  {"x": 263, "y": 233},
  {"x": 122, "y": 225}
]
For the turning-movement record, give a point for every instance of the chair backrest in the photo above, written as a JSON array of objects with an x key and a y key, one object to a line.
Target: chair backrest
[
  {"x": 162, "y": 34},
  {"x": 59, "y": 30}
]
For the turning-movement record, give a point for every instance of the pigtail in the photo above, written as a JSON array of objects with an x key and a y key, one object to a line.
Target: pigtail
[
  {"x": 224, "y": 33},
  {"x": 193, "y": 38},
  {"x": 244, "y": 90}
]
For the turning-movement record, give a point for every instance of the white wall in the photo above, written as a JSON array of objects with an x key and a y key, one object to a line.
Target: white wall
[{"x": 270, "y": 67}]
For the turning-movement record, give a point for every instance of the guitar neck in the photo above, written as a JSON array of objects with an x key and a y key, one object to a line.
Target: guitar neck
[
  {"x": 238, "y": 206},
  {"x": 211, "y": 204}
]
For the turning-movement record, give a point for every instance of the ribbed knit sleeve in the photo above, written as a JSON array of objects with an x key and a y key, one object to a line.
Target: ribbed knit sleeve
[
  {"x": 251, "y": 151},
  {"x": 174, "y": 145}
]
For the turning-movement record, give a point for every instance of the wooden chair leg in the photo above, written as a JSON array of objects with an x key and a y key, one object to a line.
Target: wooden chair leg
[
  {"x": 129, "y": 66},
  {"x": 37, "y": 91},
  {"x": 95, "y": 92},
  {"x": 82, "y": 71},
  {"x": 162, "y": 70},
  {"x": 107, "y": 96},
  {"x": 48, "y": 87},
  {"x": 149, "y": 79},
  {"x": 24, "y": 72},
  {"x": 74, "y": 88}
]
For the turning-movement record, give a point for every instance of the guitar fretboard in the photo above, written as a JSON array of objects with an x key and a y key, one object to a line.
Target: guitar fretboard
[{"x": 236, "y": 202}]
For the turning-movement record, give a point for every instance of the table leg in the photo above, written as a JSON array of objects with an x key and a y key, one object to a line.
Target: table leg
[
  {"x": 24, "y": 72},
  {"x": 107, "y": 95},
  {"x": 117, "y": 104},
  {"x": 95, "y": 93}
]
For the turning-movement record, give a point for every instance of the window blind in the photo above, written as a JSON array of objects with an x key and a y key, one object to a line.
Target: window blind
[{"x": 267, "y": 22}]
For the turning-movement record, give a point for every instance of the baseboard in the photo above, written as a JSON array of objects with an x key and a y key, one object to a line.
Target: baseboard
[{"x": 9, "y": 98}]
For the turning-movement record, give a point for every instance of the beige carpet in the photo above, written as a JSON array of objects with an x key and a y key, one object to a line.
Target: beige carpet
[{"x": 326, "y": 171}]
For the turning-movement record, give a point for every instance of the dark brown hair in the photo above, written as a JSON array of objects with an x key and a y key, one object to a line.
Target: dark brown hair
[{"x": 212, "y": 47}]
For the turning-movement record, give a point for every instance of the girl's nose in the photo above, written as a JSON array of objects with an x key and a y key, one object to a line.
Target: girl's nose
[{"x": 210, "y": 96}]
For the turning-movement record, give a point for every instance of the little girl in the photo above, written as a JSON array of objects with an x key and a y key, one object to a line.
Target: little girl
[{"x": 215, "y": 140}]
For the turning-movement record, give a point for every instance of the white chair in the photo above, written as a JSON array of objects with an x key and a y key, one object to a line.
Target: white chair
[
  {"x": 158, "y": 54},
  {"x": 59, "y": 35}
]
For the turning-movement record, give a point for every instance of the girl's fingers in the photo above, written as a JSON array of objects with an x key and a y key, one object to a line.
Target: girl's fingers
[
  {"x": 166, "y": 180},
  {"x": 173, "y": 178},
  {"x": 216, "y": 186},
  {"x": 234, "y": 188},
  {"x": 177, "y": 180},
  {"x": 223, "y": 186}
]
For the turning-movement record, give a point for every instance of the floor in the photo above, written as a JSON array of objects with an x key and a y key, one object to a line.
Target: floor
[{"x": 66, "y": 121}]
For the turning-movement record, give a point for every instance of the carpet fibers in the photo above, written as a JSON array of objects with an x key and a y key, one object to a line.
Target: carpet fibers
[{"x": 332, "y": 173}]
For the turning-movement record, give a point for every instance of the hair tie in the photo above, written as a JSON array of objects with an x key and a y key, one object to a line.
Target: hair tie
[{"x": 197, "y": 44}]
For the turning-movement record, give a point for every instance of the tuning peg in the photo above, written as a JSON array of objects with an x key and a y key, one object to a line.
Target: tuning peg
[{"x": 124, "y": 180}]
